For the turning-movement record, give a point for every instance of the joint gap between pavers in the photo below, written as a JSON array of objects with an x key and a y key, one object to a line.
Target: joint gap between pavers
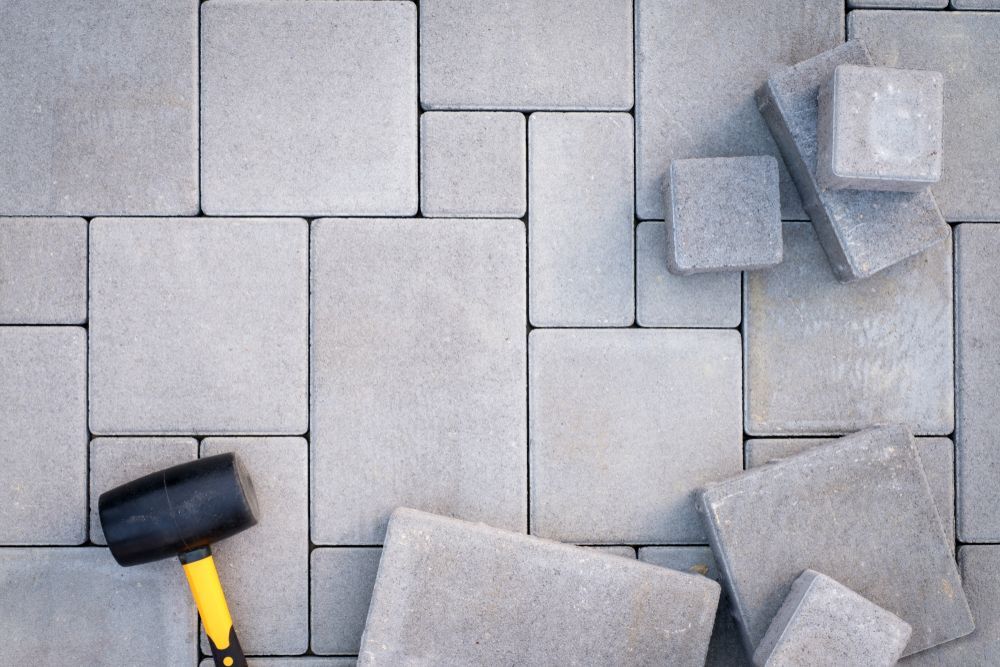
[{"x": 201, "y": 210}]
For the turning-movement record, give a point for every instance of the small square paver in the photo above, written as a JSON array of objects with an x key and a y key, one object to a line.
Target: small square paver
[
  {"x": 43, "y": 442},
  {"x": 722, "y": 214},
  {"x": 580, "y": 220},
  {"x": 271, "y": 618},
  {"x": 418, "y": 374},
  {"x": 43, "y": 270},
  {"x": 473, "y": 164},
  {"x": 880, "y": 129},
  {"x": 860, "y": 511},
  {"x": 625, "y": 426},
  {"x": 436, "y": 597},
  {"x": 526, "y": 54},
  {"x": 308, "y": 108},
  {"x": 100, "y": 108},
  {"x": 824, "y": 357},
  {"x": 697, "y": 66},
  {"x": 822, "y": 623},
  {"x": 341, "y": 589},
  {"x": 78, "y": 606},
  {"x": 115, "y": 461},
  {"x": 862, "y": 231},
  {"x": 198, "y": 326}
]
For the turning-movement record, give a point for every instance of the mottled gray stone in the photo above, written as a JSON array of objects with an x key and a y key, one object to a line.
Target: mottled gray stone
[
  {"x": 963, "y": 47},
  {"x": 526, "y": 54},
  {"x": 580, "y": 220},
  {"x": 975, "y": 4},
  {"x": 624, "y": 552},
  {"x": 862, "y": 232},
  {"x": 722, "y": 214},
  {"x": 43, "y": 270},
  {"x": 301, "y": 661},
  {"x": 43, "y": 442},
  {"x": 418, "y": 373},
  {"x": 824, "y": 357},
  {"x": 115, "y": 461},
  {"x": 625, "y": 426},
  {"x": 265, "y": 570},
  {"x": 436, "y": 599},
  {"x": 880, "y": 129},
  {"x": 100, "y": 108},
  {"x": 859, "y": 510},
  {"x": 697, "y": 66},
  {"x": 198, "y": 326},
  {"x": 822, "y": 623},
  {"x": 78, "y": 606},
  {"x": 309, "y": 108},
  {"x": 473, "y": 164},
  {"x": 341, "y": 583},
  {"x": 898, "y": 4}
]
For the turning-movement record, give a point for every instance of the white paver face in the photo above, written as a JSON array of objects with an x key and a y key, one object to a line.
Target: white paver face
[{"x": 342, "y": 582}]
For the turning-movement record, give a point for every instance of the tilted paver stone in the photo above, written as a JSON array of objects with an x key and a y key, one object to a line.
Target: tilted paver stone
[
  {"x": 265, "y": 569},
  {"x": 580, "y": 220},
  {"x": 860, "y": 511},
  {"x": 198, "y": 326},
  {"x": 473, "y": 164},
  {"x": 341, "y": 589},
  {"x": 962, "y": 46},
  {"x": 115, "y": 461},
  {"x": 436, "y": 599},
  {"x": 824, "y": 623},
  {"x": 697, "y": 66},
  {"x": 862, "y": 232},
  {"x": 824, "y": 357},
  {"x": 526, "y": 54},
  {"x": 625, "y": 426},
  {"x": 100, "y": 108},
  {"x": 78, "y": 606},
  {"x": 43, "y": 270},
  {"x": 43, "y": 442},
  {"x": 722, "y": 214},
  {"x": 309, "y": 108},
  {"x": 898, "y": 4},
  {"x": 418, "y": 373}
]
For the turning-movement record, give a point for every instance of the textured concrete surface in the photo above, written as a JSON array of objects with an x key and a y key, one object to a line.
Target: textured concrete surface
[
  {"x": 341, "y": 590},
  {"x": 302, "y": 661},
  {"x": 438, "y": 573},
  {"x": 975, "y": 4},
  {"x": 898, "y": 4},
  {"x": 858, "y": 510}
]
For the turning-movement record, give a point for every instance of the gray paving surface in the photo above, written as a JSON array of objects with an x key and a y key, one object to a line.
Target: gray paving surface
[{"x": 341, "y": 590}]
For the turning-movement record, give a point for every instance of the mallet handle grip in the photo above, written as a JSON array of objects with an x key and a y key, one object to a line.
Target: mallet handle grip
[{"x": 206, "y": 588}]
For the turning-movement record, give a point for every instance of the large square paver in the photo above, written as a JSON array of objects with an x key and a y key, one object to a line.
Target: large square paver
[
  {"x": 450, "y": 592},
  {"x": 418, "y": 373},
  {"x": 965, "y": 48},
  {"x": 625, "y": 427},
  {"x": 309, "y": 108},
  {"x": 265, "y": 569},
  {"x": 526, "y": 54},
  {"x": 342, "y": 579},
  {"x": 697, "y": 67},
  {"x": 43, "y": 442},
  {"x": 100, "y": 108},
  {"x": 825, "y": 357},
  {"x": 198, "y": 326}
]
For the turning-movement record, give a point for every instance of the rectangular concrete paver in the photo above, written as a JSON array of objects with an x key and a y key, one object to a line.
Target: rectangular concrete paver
[
  {"x": 418, "y": 373},
  {"x": 898, "y": 4},
  {"x": 438, "y": 574},
  {"x": 341, "y": 590},
  {"x": 625, "y": 427},
  {"x": 301, "y": 661},
  {"x": 526, "y": 54},
  {"x": 580, "y": 220},
  {"x": 975, "y": 4},
  {"x": 198, "y": 326}
]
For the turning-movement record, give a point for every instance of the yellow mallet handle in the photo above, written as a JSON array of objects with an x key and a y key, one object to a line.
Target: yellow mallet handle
[{"x": 206, "y": 588}]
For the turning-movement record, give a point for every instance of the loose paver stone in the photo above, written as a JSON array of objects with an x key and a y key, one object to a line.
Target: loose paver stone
[
  {"x": 341, "y": 583},
  {"x": 436, "y": 598},
  {"x": 860, "y": 511}
]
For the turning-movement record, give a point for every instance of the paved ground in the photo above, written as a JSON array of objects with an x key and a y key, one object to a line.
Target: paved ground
[{"x": 413, "y": 255}]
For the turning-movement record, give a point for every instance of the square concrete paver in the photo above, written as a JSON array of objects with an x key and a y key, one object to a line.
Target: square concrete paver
[
  {"x": 526, "y": 54},
  {"x": 198, "y": 326},
  {"x": 43, "y": 442},
  {"x": 100, "y": 108},
  {"x": 309, "y": 108},
  {"x": 825, "y": 357},
  {"x": 341, "y": 590},
  {"x": 418, "y": 373},
  {"x": 580, "y": 220},
  {"x": 625, "y": 427},
  {"x": 265, "y": 569}
]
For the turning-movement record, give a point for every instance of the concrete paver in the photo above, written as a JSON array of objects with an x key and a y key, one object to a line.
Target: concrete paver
[{"x": 341, "y": 589}]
